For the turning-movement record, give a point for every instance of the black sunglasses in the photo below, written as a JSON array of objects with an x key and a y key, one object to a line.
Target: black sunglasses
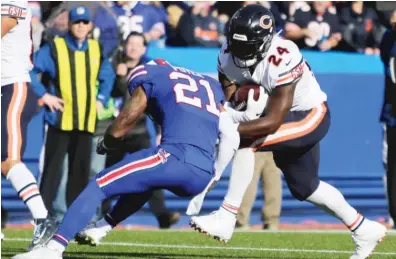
[{"x": 81, "y": 21}]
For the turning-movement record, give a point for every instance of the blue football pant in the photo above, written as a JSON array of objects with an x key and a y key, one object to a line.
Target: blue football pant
[{"x": 137, "y": 173}]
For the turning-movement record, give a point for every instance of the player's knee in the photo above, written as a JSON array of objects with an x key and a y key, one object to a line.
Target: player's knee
[
  {"x": 7, "y": 165},
  {"x": 302, "y": 191}
]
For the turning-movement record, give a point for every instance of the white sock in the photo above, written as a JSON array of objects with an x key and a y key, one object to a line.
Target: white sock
[
  {"x": 332, "y": 201},
  {"x": 52, "y": 244},
  {"x": 24, "y": 183},
  {"x": 241, "y": 176}
]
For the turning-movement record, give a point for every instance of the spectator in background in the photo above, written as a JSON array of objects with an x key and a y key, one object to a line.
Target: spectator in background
[
  {"x": 115, "y": 20},
  {"x": 75, "y": 64},
  {"x": 264, "y": 168},
  {"x": 361, "y": 30},
  {"x": 57, "y": 24},
  {"x": 105, "y": 29},
  {"x": 124, "y": 61},
  {"x": 175, "y": 12},
  {"x": 198, "y": 27},
  {"x": 141, "y": 17},
  {"x": 288, "y": 8},
  {"x": 315, "y": 27},
  {"x": 37, "y": 26},
  {"x": 388, "y": 116}
]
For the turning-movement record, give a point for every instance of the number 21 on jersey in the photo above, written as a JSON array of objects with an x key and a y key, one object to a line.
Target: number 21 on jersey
[{"x": 192, "y": 86}]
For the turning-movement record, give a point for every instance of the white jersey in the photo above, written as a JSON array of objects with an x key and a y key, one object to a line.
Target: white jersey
[
  {"x": 282, "y": 65},
  {"x": 16, "y": 45}
]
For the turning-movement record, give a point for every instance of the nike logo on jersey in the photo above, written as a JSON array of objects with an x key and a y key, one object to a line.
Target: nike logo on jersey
[{"x": 288, "y": 63}]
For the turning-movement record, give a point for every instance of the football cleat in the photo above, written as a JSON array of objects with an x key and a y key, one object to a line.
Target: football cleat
[
  {"x": 94, "y": 233},
  {"x": 366, "y": 238},
  {"x": 40, "y": 253},
  {"x": 219, "y": 225},
  {"x": 43, "y": 231}
]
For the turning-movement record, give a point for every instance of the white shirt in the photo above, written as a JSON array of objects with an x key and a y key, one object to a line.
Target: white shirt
[
  {"x": 16, "y": 45},
  {"x": 282, "y": 65}
]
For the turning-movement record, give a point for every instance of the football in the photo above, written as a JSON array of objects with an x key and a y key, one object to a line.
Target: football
[{"x": 241, "y": 96}]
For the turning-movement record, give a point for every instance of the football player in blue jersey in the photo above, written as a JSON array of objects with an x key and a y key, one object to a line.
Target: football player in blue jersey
[{"x": 188, "y": 107}]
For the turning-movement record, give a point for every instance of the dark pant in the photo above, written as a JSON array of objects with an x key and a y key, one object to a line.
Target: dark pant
[
  {"x": 296, "y": 149},
  {"x": 391, "y": 171},
  {"x": 77, "y": 144},
  {"x": 18, "y": 105}
]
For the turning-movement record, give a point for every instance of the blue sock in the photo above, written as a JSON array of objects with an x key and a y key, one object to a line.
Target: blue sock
[{"x": 80, "y": 213}]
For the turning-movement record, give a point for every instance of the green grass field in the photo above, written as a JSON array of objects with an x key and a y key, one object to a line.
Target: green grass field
[{"x": 188, "y": 244}]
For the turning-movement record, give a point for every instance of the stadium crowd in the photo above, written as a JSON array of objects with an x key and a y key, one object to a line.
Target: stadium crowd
[
  {"x": 345, "y": 26},
  {"x": 124, "y": 30}
]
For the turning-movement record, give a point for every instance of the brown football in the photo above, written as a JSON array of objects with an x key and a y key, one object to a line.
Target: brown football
[{"x": 241, "y": 96}]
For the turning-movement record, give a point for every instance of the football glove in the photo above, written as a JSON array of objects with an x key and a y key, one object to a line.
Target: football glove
[{"x": 255, "y": 108}]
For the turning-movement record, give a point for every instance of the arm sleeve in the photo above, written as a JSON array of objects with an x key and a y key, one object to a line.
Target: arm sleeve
[
  {"x": 14, "y": 9},
  {"x": 106, "y": 79},
  {"x": 140, "y": 77},
  {"x": 43, "y": 62},
  {"x": 228, "y": 145},
  {"x": 290, "y": 68}
]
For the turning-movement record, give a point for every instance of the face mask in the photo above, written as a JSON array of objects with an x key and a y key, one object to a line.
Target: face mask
[{"x": 245, "y": 63}]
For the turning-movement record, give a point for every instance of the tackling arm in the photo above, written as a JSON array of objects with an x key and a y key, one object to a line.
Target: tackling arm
[
  {"x": 124, "y": 122},
  {"x": 279, "y": 104}
]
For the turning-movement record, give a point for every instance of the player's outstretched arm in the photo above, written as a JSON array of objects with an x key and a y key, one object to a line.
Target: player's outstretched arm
[
  {"x": 124, "y": 122},
  {"x": 279, "y": 104}
]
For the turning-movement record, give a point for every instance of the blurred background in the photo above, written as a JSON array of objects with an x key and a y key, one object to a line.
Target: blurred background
[{"x": 348, "y": 44}]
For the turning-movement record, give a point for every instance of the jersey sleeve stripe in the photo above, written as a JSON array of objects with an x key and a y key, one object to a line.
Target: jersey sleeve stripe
[
  {"x": 283, "y": 79},
  {"x": 287, "y": 72},
  {"x": 133, "y": 71},
  {"x": 13, "y": 11},
  {"x": 144, "y": 72},
  {"x": 136, "y": 69},
  {"x": 292, "y": 75}
]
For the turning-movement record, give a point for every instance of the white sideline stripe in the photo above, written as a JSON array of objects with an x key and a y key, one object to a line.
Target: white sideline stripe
[
  {"x": 391, "y": 232},
  {"x": 216, "y": 247}
]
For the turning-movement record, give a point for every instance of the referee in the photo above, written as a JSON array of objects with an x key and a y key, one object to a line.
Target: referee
[{"x": 75, "y": 65}]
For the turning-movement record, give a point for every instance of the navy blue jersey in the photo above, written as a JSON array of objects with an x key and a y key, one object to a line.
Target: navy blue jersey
[
  {"x": 141, "y": 18},
  {"x": 186, "y": 105},
  {"x": 323, "y": 26}
]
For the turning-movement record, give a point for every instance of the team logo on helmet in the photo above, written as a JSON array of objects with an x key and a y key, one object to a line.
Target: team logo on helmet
[{"x": 265, "y": 22}]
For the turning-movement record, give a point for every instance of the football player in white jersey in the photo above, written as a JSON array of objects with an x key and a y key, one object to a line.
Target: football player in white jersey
[
  {"x": 295, "y": 120},
  {"x": 18, "y": 105}
]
